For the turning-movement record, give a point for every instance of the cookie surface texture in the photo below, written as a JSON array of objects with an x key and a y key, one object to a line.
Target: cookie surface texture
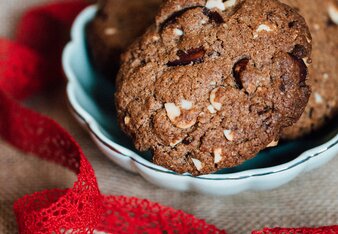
[{"x": 212, "y": 83}]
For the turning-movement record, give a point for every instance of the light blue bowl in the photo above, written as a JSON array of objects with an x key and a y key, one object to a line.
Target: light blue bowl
[{"x": 91, "y": 101}]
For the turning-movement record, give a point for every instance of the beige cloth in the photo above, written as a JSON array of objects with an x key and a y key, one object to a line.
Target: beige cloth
[{"x": 310, "y": 200}]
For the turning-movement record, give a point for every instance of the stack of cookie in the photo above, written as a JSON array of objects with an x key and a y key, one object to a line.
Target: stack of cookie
[
  {"x": 211, "y": 83},
  {"x": 322, "y": 19}
]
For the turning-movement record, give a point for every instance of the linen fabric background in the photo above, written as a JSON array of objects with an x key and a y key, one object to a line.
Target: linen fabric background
[{"x": 310, "y": 200}]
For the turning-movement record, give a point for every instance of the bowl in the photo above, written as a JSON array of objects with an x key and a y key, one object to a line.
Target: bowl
[{"x": 91, "y": 101}]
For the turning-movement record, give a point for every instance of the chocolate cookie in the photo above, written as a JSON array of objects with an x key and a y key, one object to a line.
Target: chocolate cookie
[
  {"x": 322, "y": 18},
  {"x": 212, "y": 83},
  {"x": 116, "y": 25}
]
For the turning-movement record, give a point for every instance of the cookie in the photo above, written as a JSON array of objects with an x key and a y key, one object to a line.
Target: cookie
[
  {"x": 322, "y": 18},
  {"x": 116, "y": 25},
  {"x": 212, "y": 83}
]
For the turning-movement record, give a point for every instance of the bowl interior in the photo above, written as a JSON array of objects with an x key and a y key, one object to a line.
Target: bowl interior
[{"x": 95, "y": 94}]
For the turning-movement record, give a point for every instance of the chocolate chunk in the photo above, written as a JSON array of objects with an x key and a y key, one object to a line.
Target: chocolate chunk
[
  {"x": 292, "y": 24},
  {"x": 188, "y": 140},
  {"x": 265, "y": 110},
  {"x": 213, "y": 16},
  {"x": 311, "y": 112},
  {"x": 173, "y": 17},
  {"x": 190, "y": 56},
  {"x": 303, "y": 70},
  {"x": 299, "y": 51},
  {"x": 238, "y": 68}
]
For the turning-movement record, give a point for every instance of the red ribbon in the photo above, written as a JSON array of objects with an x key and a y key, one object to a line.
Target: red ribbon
[{"x": 28, "y": 65}]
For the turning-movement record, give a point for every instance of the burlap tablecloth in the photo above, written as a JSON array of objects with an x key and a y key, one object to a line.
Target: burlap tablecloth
[{"x": 310, "y": 200}]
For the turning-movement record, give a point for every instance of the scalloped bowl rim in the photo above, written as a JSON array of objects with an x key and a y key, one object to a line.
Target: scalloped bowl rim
[{"x": 94, "y": 127}]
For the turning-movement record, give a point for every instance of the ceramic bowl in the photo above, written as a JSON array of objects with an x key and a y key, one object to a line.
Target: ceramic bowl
[{"x": 91, "y": 101}]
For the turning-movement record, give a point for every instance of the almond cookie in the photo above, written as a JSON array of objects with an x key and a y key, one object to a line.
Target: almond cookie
[
  {"x": 322, "y": 18},
  {"x": 213, "y": 82},
  {"x": 116, "y": 25}
]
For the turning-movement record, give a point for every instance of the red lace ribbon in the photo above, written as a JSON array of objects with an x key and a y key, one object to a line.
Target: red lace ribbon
[{"x": 30, "y": 64}]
